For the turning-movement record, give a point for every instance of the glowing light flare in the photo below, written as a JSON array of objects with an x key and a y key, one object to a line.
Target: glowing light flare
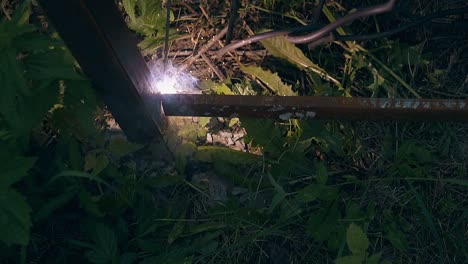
[
  {"x": 166, "y": 85},
  {"x": 172, "y": 81}
]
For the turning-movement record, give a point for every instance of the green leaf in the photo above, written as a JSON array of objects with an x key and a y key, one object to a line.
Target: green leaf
[
  {"x": 22, "y": 13},
  {"x": 396, "y": 237},
  {"x": 308, "y": 194},
  {"x": 14, "y": 88},
  {"x": 357, "y": 240},
  {"x": 129, "y": 6},
  {"x": 36, "y": 42},
  {"x": 15, "y": 219},
  {"x": 281, "y": 48},
  {"x": 217, "y": 88},
  {"x": 222, "y": 88},
  {"x": 350, "y": 260},
  {"x": 53, "y": 64},
  {"x": 89, "y": 203},
  {"x": 272, "y": 80},
  {"x": 101, "y": 163},
  {"x": 324, "y": 222},
  {"x": 13, "y": 169},
  {"x": 53, "y": 204},
  {"x": 177, "y": 230},
  {"x": 105, "y": 249},
  {"x": 120, "y": 147},
  {"x": 264, "y": 133},
  {"x": 79, "y": 174},
  {"x": 322, "y": 174}
]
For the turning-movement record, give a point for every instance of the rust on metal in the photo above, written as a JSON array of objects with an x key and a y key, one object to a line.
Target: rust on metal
[{"x": 311, "y": 107}]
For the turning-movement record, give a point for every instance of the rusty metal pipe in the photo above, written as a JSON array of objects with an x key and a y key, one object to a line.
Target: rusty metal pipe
[{"x": 311, "y": 107}]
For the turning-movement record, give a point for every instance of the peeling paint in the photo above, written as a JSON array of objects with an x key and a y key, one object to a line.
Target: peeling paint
[
  {"x": 384, "y": 104},
  {"x": 285, "y": 116},
  {"x": 448, "y": 104},
  {"x": 399, "y": 103},
  {"x": 299, "y": 115}
]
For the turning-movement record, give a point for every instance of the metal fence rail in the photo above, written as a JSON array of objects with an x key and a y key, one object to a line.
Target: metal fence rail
[{"x": 310, "y": 107}]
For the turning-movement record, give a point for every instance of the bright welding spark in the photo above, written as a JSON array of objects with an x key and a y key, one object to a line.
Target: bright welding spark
[{"x": 172, "y": 81}]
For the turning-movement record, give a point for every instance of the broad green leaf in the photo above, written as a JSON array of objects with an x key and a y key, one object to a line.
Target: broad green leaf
[
  {"x": 14, "y": 88},
  {"x": 396, "y": 237},
  {"x": 15, "y": 219},
  {"x": 308, "y": 194},
  {"x": 120, "y": 147},
  {"x": 281, "y": 48},
  {"x": 105, "y": 250},
  {"x": 322, "y": 173},
  {"x": 150, "y": 44},
  {"x": 22, "y": 13},
  {"x": 317, "y": 191},
  {"x": 53, "y": 204},
  {"x": 79, "y": 174},
  {"x": 129, "y": 6},
  {"x": 90, "y": 203},
  {"x": 264, "y": 133},
  {"x": 90, "y": 161},
  {"x": 357, "y": 240},
  {"x": 13, "y": 169},
  {"x": 217, "y": 88},
  {"x": 177, "y": 230},
  {"x": 53, "y": 64},
  {"x": 35, "y": 42},
  {"x": 323, "y": 222},
  {"x": 101, "y": 163},
  {"x": 280, "y": 194},
  {"x": 272, "y": 80},
  {"x": 203, "y": 121}
]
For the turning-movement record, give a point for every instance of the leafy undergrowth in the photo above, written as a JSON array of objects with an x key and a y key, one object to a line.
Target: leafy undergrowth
[{"x": 72, "y": 191}]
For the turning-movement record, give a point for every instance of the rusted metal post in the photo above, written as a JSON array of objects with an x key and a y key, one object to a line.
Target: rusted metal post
[
  {"x": 107, "y": 51},
  {"x": 309, "y": 107}
]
